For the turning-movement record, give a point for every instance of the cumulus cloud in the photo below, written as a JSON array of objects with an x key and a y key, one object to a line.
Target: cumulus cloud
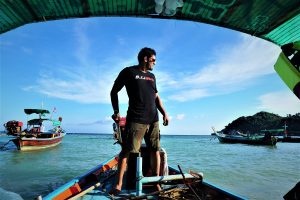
[{"x": 281, "y": 102}]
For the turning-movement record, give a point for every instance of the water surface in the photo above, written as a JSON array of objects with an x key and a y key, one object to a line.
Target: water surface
[{"x": 255, "y": 172}]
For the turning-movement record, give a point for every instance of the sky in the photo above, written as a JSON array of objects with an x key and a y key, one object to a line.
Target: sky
[{"x": 207, "y": 76}]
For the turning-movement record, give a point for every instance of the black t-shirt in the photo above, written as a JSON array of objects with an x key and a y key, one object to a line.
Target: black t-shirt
[{"x": 141, "y": 90}]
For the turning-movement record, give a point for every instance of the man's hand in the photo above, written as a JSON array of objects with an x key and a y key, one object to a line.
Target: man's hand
[
  {"x": 166, "y": 120},
  {"x": 116, "y": 117}
]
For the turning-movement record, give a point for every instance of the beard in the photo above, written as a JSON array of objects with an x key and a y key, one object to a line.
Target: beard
[{"x": 149, "y": 67}]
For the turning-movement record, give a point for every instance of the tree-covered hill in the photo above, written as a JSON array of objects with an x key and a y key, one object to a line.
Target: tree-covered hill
[{"x": 264, "y": 120}]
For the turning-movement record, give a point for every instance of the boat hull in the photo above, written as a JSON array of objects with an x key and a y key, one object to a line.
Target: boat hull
[
  {"x": 96, "y": 183},
  {"x": 289, "y": 139},
  {"x": 30, "y": 144},
  {"x": 246, "y": 140}
]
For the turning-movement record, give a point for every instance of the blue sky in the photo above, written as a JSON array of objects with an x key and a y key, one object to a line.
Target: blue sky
[{"x": 206, "y": 75}]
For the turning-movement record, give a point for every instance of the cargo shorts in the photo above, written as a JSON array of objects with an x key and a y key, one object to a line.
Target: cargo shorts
[{"x": 135, "y": 132}]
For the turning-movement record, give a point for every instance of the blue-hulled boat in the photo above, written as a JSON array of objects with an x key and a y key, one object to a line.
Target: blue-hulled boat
[
  {"x": 96, "y": 183},
  {"x": 138, "y": 182}
]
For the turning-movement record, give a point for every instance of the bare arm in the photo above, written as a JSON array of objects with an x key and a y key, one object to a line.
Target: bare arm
[
  {"x": 118, "y": 85},
  {"x": 115, "y": 101},
  {"x": 162, "y": 110}
]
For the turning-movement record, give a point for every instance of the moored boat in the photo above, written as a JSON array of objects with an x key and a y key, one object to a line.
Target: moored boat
[
  {"x": 283, "y": 135},
  {"x": 42, "y": 141},
  {"x": 266, "y": 139},
  {"x": 35, "y": 137}
]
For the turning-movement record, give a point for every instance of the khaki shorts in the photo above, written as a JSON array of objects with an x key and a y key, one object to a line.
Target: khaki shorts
[{"x": 135, "y": 133}]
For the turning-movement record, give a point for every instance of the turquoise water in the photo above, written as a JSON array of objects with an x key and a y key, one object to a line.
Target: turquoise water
[{"x": 254, "y": 172}]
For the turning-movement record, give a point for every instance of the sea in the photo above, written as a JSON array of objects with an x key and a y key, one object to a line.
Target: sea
[{"x": 253, "y": 172}]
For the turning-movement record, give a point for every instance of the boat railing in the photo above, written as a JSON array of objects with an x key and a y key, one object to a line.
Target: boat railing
[{"x": 140, "y": 179}]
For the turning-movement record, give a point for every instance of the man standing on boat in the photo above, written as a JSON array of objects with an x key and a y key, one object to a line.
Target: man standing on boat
[{"x": 142, "y": 115}]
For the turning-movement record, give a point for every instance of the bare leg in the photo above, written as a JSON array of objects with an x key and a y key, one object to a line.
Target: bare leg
[
  {"x": 121, "y": 170},
  {"x": 155, "y": 165}
]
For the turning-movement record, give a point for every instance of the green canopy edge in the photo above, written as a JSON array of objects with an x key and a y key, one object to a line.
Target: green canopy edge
[{"x": 276, "y": 21}]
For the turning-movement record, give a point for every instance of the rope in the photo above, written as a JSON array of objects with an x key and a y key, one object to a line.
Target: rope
[{"x": 3, "y": 148}]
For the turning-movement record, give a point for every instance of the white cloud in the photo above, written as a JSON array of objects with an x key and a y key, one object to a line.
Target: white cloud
[
  {"x": 180, "y": 116},
  {"x": 90, "y": 87},
  {"x": 234, "y": 68},
  {"x": 281, "y": 102},
  {"x": 165, "y": 81},
  {"x": 83, "y": 42},
  {"x": 189, "y": 95},
  {"x": 86, "y": 82}
]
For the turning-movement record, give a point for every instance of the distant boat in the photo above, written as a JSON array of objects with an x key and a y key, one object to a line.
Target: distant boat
[
  {"x": 266, "y": 139},
  {"x": 284, "y": 135},
  {"x": 290, "y": 139},
  {"x": 35, "y": 137}
]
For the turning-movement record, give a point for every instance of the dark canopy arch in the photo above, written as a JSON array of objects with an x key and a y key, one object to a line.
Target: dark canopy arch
[{"x": 277, "y": 21}]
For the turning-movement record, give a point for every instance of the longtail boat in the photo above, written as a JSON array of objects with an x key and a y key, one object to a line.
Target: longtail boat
[
  {"x": 41, "y": 141},
  {"x": 96, "y": 183},
  {"x": 139, "y": 184},
  {"x": 34, "y": 137},
  {"x": 251, "y": 139}
]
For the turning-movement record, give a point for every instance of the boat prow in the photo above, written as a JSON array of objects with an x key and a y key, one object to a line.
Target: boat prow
[{"x": 96, "y": 183}]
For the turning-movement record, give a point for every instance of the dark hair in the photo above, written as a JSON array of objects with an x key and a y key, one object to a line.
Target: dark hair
[{"x": 148, "y": 52}]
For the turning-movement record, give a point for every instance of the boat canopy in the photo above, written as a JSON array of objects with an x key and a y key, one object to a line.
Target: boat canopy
[
  {"x": 36, "y": 121},
  {"x": 276, "y": 21},
  {"x": 41, "y": 120},
  {"x": 36, "y": 111}
]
